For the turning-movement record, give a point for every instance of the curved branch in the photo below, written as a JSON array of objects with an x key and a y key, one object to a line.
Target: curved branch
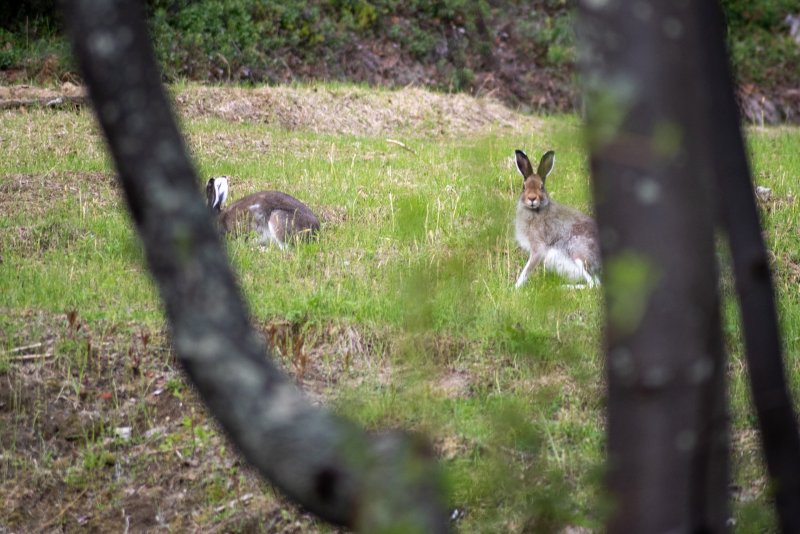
[{"x": 323, "y": 462}]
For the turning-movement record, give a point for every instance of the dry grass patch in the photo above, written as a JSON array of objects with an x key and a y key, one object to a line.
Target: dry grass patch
[
  {"x": 29, "y": 92},
  {"x": 356, "y": 111},
  {"x": 321, "y": 109},
  {"x": 36, "y": 194}
]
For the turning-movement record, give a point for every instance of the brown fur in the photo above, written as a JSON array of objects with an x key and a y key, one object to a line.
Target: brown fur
[
  {"x": 271, "y": 215},
  {"x": 288, "y": 216},
  {"x": 533, "y": 189}
]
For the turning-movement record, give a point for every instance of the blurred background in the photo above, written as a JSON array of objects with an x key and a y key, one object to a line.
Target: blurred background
[{"x": 523, "y": 53}]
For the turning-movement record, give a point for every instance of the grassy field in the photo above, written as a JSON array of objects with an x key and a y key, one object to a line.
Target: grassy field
[{"x": 403, "y": 314}]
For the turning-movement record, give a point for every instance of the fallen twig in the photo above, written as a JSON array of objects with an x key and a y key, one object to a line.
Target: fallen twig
[
  {"x": 31, "y": 357},
  {"x": 24, "y": 348}
]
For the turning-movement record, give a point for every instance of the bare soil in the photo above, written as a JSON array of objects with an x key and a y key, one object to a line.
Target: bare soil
[{"x": 99, "y": 432}]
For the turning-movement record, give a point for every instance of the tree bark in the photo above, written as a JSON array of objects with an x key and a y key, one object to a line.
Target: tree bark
[
  {"x": 323, "y": 462},
  {"x": 774, "y": 406},
  {"x": 653, "y": 184}
]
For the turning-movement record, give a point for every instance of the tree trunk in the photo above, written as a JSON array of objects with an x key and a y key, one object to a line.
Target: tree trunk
[
  {"x": 776, "y": 418},
  {"x": 667, "y": 421},
  {"x": 664, "y": 132}
]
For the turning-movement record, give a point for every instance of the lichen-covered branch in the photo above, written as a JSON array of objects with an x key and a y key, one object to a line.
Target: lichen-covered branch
[{"x": 323, "y": 462}]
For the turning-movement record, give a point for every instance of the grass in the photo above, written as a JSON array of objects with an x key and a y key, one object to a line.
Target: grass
[{"x": 403, "y": 314}]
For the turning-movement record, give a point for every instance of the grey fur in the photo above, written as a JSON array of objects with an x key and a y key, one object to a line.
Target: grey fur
[{"x": 561, "y": 237}]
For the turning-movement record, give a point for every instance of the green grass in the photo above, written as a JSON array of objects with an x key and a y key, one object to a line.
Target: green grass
[{"x": 416, "y": 255}]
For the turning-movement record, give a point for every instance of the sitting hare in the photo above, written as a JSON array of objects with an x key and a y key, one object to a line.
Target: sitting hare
[
  {"x": 274, "y": 216},
  {"x": 562, "y": 238}
]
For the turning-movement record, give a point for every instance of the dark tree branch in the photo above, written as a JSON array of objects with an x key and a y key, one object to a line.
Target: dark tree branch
[
  {"x": 322, "y": 461},
  {"x": 737, "y": 206},
  {"x": 667, "y": 420}
]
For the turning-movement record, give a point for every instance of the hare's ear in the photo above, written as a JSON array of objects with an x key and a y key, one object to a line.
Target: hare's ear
[
  {"x": 523, "y": 164},
  {"x": 217, "y": 191},
  {"x": 546, "y": 164},
  {"x": 221, "y": 185},
  {"x": 211, "y": 193}
]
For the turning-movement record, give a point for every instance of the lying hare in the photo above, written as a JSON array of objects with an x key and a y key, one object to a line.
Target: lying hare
[
  {"x": 274, "y": 216},
  {"x": 563, "y": 238}
]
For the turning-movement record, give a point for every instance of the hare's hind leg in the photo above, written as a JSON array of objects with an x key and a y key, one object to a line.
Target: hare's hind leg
[
  {"x": 279, "y": 226},
  {"x": 591, "y": 279}
]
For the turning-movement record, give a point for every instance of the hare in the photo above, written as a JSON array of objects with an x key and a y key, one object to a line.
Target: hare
[
  {"x": 561, "y": 237},
  {"x": 275, "y": 217}
]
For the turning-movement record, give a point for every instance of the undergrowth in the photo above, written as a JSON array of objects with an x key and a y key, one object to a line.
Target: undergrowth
[{"x": 402, "y": 314}]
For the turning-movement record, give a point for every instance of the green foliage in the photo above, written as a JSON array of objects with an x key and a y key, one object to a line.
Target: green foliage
[
  {"x": 255, "y": 40},
  {"x": 216, "y": 38},
  {"x": 12, "y": 53},
  {"x": 551, "y": 37},
  {"x": 30, "y": 45},
  {"x": 765, "y": 57},
  {"x": 762, "y": 14},
  {"x": 761, "y": 48},
  {"x": 17, "y": 15}
]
